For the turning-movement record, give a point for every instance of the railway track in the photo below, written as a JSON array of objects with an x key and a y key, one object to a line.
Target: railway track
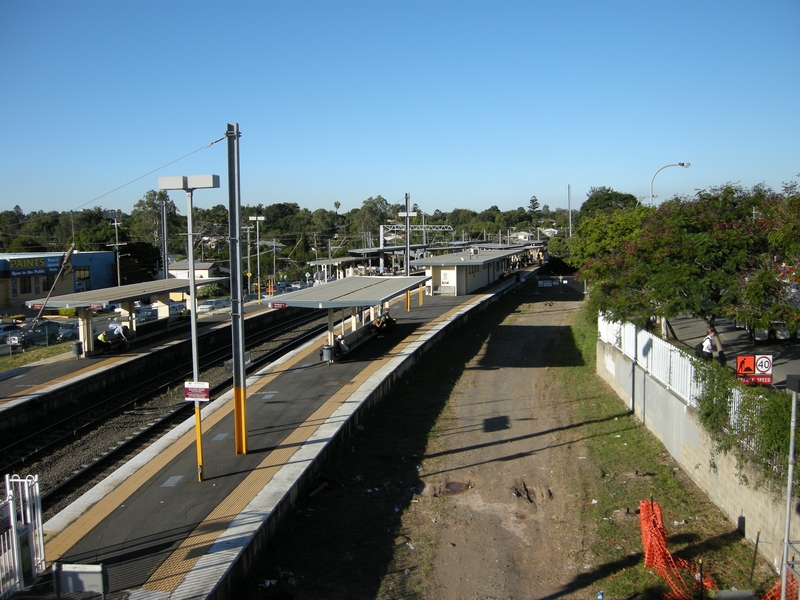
[{"x": 75, "y": 451}]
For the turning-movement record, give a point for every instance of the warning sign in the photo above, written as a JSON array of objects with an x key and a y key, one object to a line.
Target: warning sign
[
  {"x": 752, "y": 370},
  {"x": 196, "y": 390}
]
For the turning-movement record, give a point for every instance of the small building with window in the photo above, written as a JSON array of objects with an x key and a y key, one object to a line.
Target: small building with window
[
  {"x": 31, "y": 275},
  {"x": 465, "y": 272}
]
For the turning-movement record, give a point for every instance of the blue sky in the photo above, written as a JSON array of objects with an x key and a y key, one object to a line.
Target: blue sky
[{"x": 460, "y": 103}]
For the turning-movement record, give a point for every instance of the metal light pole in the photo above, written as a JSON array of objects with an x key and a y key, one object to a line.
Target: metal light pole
[
  {"x": 407, "y": 214},
  {"x": 258, "y": 253},
  {"x": 793, "y": 384},
  {"x": 685, "y": 165},
  {"x": 189, "y": 184}
]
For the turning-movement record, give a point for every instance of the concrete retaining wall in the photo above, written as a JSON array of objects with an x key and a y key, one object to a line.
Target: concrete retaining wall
[{"x": 679, "y": 429}]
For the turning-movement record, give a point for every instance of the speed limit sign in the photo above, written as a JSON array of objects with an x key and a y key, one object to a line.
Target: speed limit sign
[{"x": 764, "y": 364}]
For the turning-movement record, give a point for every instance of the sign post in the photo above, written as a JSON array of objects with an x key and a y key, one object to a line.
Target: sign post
[{"x": 197, "y": 391}]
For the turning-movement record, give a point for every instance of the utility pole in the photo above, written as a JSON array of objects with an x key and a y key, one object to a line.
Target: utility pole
[
  {"x": 248, "y": 229},
  {"x": 116, "y": 245},
  {"x": 569, "y": 208},
  {"x": 164, "y": 258},
  {"x": 237, "y": 311},
  {"x": 407, "y": 214}
]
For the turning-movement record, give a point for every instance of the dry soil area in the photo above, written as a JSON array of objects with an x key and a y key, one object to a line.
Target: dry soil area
[{"x": 463, "y": 484}]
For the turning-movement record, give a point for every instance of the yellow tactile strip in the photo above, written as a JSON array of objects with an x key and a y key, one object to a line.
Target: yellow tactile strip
[
  {"x": 175, "y": 568},
  {"x": 63, "y": 541},
  {"x": 172, "y": 571}
]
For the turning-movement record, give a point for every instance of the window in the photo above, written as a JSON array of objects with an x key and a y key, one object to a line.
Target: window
[
  {"x": 25, "y": 285},
  {"x": 81, "y": 273}
]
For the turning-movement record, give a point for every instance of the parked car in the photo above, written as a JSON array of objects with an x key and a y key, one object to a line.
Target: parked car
[
  {"x": 145, "y": 315},
  {"x": 5, "y": 330},
  {"x": 38, "y": 333},
  {"x": 68, "y": 332},
  {"x": 207, "y": 306},
  {"x": 249, "y": 297}
]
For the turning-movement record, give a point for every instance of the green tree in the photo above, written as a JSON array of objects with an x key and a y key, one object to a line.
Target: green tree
[
  {"x": 707, "y": 256},
  {"x": 461, "y": 217},
  {"x": 600, "y": 199},
  {"x": 323, "y": 221},
  {"x": 557, "y": 247},
  {"x": 373, "y": 213},
  {"x": 533, "y": 209},
  {"x": 23, "y": 243},
  {"x": 144, "y": 223}
]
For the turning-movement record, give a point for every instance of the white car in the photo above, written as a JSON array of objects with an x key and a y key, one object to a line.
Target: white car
[{"x": 206, "y": 306}]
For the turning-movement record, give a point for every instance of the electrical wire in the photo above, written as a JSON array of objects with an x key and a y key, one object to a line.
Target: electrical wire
[{"x": 149, "y": 173}]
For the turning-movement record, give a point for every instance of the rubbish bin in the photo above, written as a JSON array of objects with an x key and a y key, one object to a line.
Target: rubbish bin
[
  {"x": 327, "y": 352},
  {"x": 77, "y": 348}
]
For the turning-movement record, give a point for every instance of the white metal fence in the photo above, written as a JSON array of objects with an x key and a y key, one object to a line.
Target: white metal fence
[
  {"x": 21, "y": 536},
  {"x": 668, "y": 364}
]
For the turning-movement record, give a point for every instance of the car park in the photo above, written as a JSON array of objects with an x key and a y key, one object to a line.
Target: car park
[{"x": 38, "y": 333}]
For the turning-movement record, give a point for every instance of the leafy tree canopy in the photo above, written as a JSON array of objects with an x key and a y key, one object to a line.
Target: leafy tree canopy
[
  {"x": 706, "y": 256},
  {"x": 601, "y": 199}
]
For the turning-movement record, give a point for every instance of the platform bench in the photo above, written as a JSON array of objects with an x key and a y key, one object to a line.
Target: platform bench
[
  {"x": 355, "y": 338},
  {"x": 444, "y": 290}
]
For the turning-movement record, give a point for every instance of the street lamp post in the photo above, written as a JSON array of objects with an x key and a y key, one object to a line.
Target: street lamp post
[
  {"x": 685, "y": 165},
  {"x": 189, "y": 184},
  {"x": 258, "y": 220}
]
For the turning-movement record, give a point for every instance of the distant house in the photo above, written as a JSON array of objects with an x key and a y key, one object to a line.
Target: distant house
[
  {"x": 202, "y": 270},
  {"x": 523, "y": 236}
]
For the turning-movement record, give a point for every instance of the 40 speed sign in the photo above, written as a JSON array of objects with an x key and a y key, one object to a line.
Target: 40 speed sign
[{"x": 754, "y": 369}]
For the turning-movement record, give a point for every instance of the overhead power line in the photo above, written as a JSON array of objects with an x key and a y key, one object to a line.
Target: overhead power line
[{"x": 149, "y": 173}]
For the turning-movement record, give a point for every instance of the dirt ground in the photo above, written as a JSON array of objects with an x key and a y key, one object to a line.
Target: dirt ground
[{"x": 462, "y": 484}]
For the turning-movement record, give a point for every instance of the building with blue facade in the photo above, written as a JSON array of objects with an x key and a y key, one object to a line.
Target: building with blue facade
[{"x": 31, "y": 275}]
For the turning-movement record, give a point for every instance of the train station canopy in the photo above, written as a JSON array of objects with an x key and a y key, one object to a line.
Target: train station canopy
[
  {"x": 322, "y": 262},
  {"x": 372, "y": 252},
  {"x": 350, "y": 292},
  {"x": 467, "y": 258},
  {"x": 104, "y": 297}
]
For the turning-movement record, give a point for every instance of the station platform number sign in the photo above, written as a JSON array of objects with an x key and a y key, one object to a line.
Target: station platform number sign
[{"x": 754, "y": 369}]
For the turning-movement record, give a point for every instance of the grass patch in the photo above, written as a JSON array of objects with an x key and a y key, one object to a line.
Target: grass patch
[
  {"x": 31, "y": 355},
  {"x": 632, "y": 465}
]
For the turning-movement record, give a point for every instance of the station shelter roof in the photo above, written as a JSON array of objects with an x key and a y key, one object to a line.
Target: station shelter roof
[
  {"x": 466, "y": 258},
  {"x": 349, "y": 292},
  {"x": 495, "y": 246},
  {"x": 385, "y": 249},
  {"x": 333, "y": 261},
  {"x": 113, "y": 295}
]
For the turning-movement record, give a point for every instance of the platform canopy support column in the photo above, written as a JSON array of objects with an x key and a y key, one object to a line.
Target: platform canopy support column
[{"x": 331, "y": 326}]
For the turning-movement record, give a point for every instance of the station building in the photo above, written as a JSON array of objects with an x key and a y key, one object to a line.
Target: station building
[
  {"x": 461, "y": 273},
  {"x": 30, "y": 275}
]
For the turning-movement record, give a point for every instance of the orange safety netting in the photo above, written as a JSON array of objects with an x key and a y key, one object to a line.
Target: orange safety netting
[
  {"x": 682, "y": 576},
  {"x": 792, "y": 588}
]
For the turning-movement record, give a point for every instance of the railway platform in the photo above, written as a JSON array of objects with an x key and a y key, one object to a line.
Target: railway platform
[{"x": 162, "y": 534}]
